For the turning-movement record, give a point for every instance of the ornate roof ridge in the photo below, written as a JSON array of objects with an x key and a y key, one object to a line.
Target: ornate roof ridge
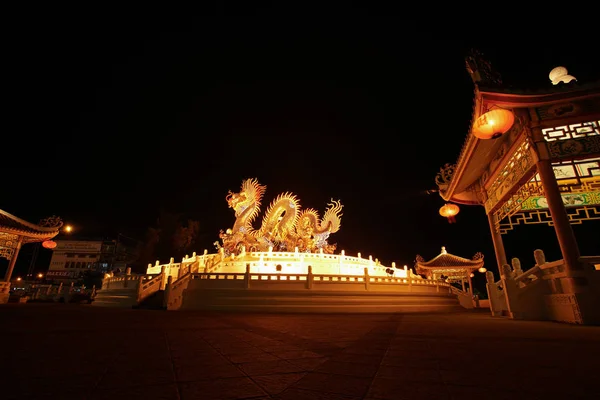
[
  {"x": 14, "y": 225},
  {"x": 486, "y": 80},
  {"x": 29, "y": 224},
  {"x": 573, "y": 86},
  {"x": 476, "y": 260}
]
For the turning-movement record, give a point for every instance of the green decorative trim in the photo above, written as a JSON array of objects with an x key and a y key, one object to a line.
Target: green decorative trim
[{"x": 569, "y": 200}]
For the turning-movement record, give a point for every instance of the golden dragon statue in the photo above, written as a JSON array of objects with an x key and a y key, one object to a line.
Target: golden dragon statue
[{"x": 284, "y": 226}]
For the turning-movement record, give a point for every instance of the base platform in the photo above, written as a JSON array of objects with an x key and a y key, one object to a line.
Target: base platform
[{"x": 286, "y": 301}]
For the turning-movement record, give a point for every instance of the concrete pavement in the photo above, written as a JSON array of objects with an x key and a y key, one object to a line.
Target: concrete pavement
[{"x": 66, "y": 351}]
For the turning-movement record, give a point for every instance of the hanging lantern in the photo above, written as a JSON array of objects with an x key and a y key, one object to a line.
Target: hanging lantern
[
  {"x": 49, "y": 244},
  {"x": 482, "y": 269},
  {"x": 493, "y": 124},
  {"x": 449, "y": 211}
]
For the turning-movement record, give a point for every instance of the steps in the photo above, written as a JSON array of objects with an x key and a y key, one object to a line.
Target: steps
[
  {"x": 283, "y": 301},
  {"x": 123, "y": 298},
  {"x": 153, "y": 302}
]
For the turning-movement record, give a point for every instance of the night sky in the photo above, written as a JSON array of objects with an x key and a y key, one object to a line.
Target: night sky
[{"x": 114, "y": 118}]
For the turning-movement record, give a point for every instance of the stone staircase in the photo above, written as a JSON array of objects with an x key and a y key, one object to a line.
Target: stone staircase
[
  {"x": 123, "y": 298},
  {"x": 318, "y": 301},
  {"x": 153, "y": 302}
]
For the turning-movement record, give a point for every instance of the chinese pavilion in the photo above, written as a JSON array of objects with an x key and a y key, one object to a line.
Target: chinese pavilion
[
  {"x": 14, "y": 232},
  {"x": 533, "y": 157},
  {"x": 454, "y": 268}
]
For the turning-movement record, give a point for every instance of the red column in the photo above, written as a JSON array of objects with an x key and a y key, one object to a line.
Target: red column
[
  {"x": 564, "y": 231},
  {"x": 497, "y": 240},
  {"x": 470, "y": 285}
]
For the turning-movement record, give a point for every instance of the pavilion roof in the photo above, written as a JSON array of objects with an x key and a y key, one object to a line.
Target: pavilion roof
[
  {"x": 450, "y": 262},
  {"x": 31, "y": 232},
  {"x": 476, "y": 154}
]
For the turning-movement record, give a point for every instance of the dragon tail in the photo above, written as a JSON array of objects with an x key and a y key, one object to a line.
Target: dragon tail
[{"x": 333, "y": 216}]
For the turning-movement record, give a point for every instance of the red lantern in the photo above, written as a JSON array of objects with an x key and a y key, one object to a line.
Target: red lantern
[
  {"x": 449, "y": 211},
  {"x": 49, "y": 244},
  {"x": 493, "y": 124}
]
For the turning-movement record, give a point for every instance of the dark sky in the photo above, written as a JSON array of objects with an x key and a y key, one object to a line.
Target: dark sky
[{"x": 114, "y": 117}]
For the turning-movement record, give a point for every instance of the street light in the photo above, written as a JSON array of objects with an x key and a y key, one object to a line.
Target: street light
[{"x": 68, "y": 228}]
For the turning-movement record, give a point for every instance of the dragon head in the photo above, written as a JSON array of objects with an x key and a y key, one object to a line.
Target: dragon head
[{"x": 235, "y": 199}]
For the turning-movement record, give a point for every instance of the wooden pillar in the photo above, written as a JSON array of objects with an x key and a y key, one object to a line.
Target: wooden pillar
[
  {"x": 462, "y": 281},
  {"x": 562, "y": 226},
  {"x": 497, "y": 240},
  {"x": 13, "y": 259},
  {"x": 470, "y": 284}
]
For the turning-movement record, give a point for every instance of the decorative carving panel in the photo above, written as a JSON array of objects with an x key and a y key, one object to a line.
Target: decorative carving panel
[
  {"x": 518, "y": 166},
  {"x": 567, "y": 109},
  {"x": 579, "y": 183},
  {"x": 8, "y": 244},
  {"x": 578, "y": 176},
  {"x": 573, "y": 140},
  {"x": 576, "y": 216},
  {"x": 574, "y": 147},
  {"x": 573, "y": 131}
]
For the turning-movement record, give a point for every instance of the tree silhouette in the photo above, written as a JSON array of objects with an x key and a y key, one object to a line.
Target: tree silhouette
[
  {"x": 185, "y": 236},
  {"x": 169, "y": 238}
]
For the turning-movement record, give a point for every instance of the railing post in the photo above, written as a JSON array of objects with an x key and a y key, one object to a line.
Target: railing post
[
  {"x": 140, "y": 287},
  {"x": 167, "y": 292},
  {"x": 367, "y": 279},
  {"x": 162, "y": 278},
  {"x": 516, "y": 264},
  {"x": 410, "y": 288},
  {"x": 309, "y": 278},
  {"x": 247, "y": 276}
]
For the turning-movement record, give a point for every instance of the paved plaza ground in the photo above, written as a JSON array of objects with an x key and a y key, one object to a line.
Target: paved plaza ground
[{"x": 65, "y": 351}]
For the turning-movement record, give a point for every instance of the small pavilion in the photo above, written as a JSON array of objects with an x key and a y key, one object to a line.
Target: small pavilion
[
  {"x": 455, "y": 268},
  {"x": 15, "y": 232}
]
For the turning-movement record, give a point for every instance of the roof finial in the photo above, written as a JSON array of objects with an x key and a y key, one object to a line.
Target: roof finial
[
  {"x": 560, "y": 75},
  {"x": 481, "y": 70},
  {"x": 443, "y": 249}
]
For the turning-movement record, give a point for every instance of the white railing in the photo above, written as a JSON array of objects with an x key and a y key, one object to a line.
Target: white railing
[
  {"x": 120, "y": 281},
  {"x": 310, "y": 281},
  {"x": 174, "y": 292},
  {"x": 537, "y": 293},
  {"x": 149, "y": 285}
]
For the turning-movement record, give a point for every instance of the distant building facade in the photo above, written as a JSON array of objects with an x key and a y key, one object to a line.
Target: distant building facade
[{"x": 71, "y": 258}]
